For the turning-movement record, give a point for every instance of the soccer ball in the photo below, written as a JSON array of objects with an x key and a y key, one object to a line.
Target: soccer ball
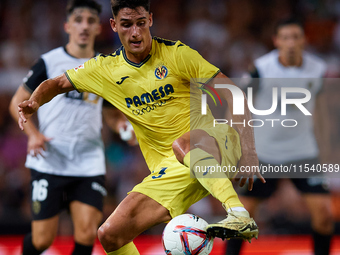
[{"x": 185, "y": 235}]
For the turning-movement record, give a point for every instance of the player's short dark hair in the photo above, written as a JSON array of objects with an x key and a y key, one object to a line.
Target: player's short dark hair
[
  {"x": 287, "y": 22},
  {"x": 73, "y": 4},
  {"x": 117, "y": 5}
]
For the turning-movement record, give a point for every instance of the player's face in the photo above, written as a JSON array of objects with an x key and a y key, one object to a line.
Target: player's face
[
  {"x": 83, "y": 26},
  {"x": 133, "y": 28},
  {"x": 290, "y": 41}
]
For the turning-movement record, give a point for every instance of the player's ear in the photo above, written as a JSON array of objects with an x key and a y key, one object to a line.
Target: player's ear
[
  {"x": 66, "y": 27},
  {"x": 150, "y": 19},
  {"x": 275, "y": 41},
  {"x": 99, "y": 30},
  {"x": 113, "y": 25}
]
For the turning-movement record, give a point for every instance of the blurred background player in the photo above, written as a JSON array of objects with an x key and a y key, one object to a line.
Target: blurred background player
[
  {"x": 66, "y": 154},
  {"x": 279, "y": 145}
]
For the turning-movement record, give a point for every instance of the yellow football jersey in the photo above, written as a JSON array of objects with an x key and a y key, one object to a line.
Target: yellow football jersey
[{"x": 155, "y": 94}]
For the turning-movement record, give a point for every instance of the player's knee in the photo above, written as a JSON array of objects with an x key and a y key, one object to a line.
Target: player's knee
[
  {"x": 86, "y": 234},
  {"x": 181, "y": 147},
  {"x": 110, "y": 240},
  {"x": 103, "y": 235}
]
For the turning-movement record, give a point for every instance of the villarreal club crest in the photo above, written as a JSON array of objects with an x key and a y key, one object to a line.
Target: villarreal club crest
[{"x": 161, "y": 72}]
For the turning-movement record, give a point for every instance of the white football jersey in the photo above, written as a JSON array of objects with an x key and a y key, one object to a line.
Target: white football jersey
[
  {"x": 72, "y": 120},
  {"x": 281, "y": 144}
]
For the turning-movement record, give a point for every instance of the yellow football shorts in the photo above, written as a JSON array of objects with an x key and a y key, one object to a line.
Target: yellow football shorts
[{"x": 171, "y": 184}]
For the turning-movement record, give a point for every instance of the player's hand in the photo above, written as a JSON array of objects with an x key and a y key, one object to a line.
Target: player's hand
[
  {"x": 26, "y": 110},
  {"x": 37, "y": 144},
  {"x": 247, "y": 170},
  {"x": 127, "y": 133}
]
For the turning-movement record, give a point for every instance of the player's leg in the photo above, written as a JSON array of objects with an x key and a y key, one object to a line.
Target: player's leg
[
  {"x": 316, "y": 194},
  {"x": 41, "y": 237},
  {"x": 86, "y": 220},
  {"x": 322, "y": 221},
  {"x": 46, "y": 203},
  {"x": 321, "y": 213},
  {"x": 199, "y": 139},
  {"x": 135, "y": 214},
  {"x": 166, "y": 192},
  {"x": 199, "y": 150},
  {"x": 234, "y": 246},
  {"x": 251, "y": 200},
  {"x": 85, "y": 196}
]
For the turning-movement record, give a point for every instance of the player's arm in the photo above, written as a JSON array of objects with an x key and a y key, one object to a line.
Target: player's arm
[
  {"x": 43, "y": 94},
  {"x": 36, "y": 140},
  {"x": 21, "y": 95},
  {"x": 246, "y": 134}
]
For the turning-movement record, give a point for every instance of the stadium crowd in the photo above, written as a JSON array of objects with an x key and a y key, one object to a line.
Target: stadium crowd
[{"x": 238, "y": 30}]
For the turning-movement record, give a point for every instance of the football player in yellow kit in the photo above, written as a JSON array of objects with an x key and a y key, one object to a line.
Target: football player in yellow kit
[{"x": 148, "y": 79}]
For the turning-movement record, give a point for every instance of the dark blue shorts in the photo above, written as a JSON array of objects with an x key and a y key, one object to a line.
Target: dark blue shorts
[{"x": 53, "y": 193}]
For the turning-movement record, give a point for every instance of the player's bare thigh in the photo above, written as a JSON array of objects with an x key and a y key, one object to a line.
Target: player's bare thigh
[
  {"x": 196, "y": 139},
  {"x": 135, "y": 214}
]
